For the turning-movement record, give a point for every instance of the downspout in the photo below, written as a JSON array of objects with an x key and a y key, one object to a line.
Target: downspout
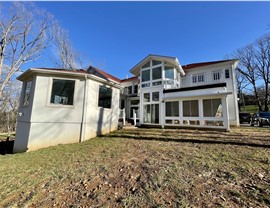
[
  {"x": 82, "y": 129},
  {"x": 236, "y": 109}
]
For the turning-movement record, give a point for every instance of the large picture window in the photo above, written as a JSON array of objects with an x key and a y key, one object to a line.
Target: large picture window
[
  {"x": 156, "y": 73},
  {"x": 62, "y": 92},
  {"x": 212, "y": 108},
  {"x": 27, "y": 91},
  {"x": 169, "y": 72},
  {"x": 190, "y": 108},
  {"x": 105, "y": 97},
  {"x": 172, "y": 109}
]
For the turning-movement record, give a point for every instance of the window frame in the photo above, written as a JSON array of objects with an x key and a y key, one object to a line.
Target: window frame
[
  {"x": 25, "y": 102},
  {"x": 49, "y": 103},
  {"x": 111, "y": 90},
  {"x": 218, "y": 74}
]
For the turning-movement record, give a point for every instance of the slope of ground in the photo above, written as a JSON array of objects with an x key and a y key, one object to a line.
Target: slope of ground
[{"x": 144, "y": 168}]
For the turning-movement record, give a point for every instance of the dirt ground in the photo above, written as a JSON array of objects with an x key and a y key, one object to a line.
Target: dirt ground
[{"x": 145, "y": 168}]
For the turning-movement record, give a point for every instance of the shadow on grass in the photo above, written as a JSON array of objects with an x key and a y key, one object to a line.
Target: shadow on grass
[
  {"x": 198, "y": 141},
  {"x": 6, "y": 147}
]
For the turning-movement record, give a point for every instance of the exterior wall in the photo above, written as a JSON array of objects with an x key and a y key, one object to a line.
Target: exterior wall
[
  {"x": 231, "y": 87},
  {"x": 100, "y": 120},
  {"x": 42, "y": 124}
]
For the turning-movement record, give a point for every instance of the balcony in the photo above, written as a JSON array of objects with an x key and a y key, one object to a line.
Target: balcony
[{"x": 193, "y": 81}]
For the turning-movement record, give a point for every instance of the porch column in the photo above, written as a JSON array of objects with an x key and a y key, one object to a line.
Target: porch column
[
  {"x": 162, "y": 113},
  {"x": 201, "y": 111},
  {"x": 225, "y": 113}
]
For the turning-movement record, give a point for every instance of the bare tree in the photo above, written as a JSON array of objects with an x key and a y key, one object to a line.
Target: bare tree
[
  {"x": 242, "y": 83},
  {"x": 248, "y": 68},
  {"x": 9, "y": 105},
  {"x": 67, "y": 56},
  {"x": 25, "y": 33},
  {"x": 262, "y": 57}
]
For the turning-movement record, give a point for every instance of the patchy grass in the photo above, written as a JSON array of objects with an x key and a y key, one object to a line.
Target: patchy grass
[
  {"x": 144, "y": 168},
  {"x": 3, "y": 136}
]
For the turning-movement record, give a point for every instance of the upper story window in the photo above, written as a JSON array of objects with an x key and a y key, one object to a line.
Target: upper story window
[
  {"x": 216, "y": 75},
  {"x": 169, "y": 72},
  {"x": 157, "y": 73},
  {"x": 146, "y": 75},
  {"x": 227, "y": 73},
  {"x": 105, "y": 97},
  {"x": 27, "y": 91},
  {"x": 62, "y": 91},
  {"x": 197, "y": 78},
  {"x": 135, "y": 89},
  {"x": 129, "y": 90},
  {"x": 154, "y": 62},
  {"x": 146, "y": 65}
]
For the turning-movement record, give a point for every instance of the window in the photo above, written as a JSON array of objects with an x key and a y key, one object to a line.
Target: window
[
  {"x": 172, "y": 109},
  {"x": 156, "y": 73},
  {"x": 198, "y": 78},
  {"x": 212, "y": 108},
  {"x": 154, "y": 62},
  {"x": 190, "y": 108},
  {"x": 146, "y": 75},
  {"x": 62, "y": 92},
  {"x": 156, "y": 83},
  {"x": 129, "y": 90},
  {"x": 27, "y": 91},
  {"x": 135, "y": 89},
  {"x": 146, "y": 65},
  {"x": 134, "y": 102},
  {"x": 227, "y": 73},
  {"x": 146, "y": 97},
  {"x": 145, "y": 85},
  {"x": 194, "y": 79},
  {"x": 151, "y": 113},
  {"x": 155, "y": 96},
  {"x": 216, "y": 76},
  {"x": 169, "y": 72},
  {"x": 105, "y": 97}
]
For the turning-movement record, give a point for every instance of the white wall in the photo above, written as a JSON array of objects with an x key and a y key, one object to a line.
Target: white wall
[
  {"x": 231, "y": 86},
  {"x": 42, "y": 124}
]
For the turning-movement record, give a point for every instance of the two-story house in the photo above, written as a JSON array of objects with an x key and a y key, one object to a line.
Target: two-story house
[
  {"x": 66, "y": 106},
  {"x": 194, "y": 95}
]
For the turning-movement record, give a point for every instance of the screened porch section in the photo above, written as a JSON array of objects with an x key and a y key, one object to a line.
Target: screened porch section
[{"x": 201, "y": 113}]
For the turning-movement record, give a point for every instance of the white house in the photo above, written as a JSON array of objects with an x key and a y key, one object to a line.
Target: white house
[{"x": 69, "y": 106}]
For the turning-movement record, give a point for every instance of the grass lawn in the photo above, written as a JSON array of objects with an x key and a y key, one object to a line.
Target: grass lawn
[{"x": 144, "y": 168}]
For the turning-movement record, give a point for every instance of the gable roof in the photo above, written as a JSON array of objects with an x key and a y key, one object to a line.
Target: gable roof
[
  {"x": 170, "y": 59},
  {"x": 201, "y": 64},
  {"x": 102, "y": 74}
]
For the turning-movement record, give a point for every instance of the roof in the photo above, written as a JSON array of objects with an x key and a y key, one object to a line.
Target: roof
[
  {"x": 66, "y": 70},
  {"x": 102, "y": 74},
  {"x": 129, "y": 79},
  {"x": 170, "y": 59},
  {"x": 201, "y": 64}
]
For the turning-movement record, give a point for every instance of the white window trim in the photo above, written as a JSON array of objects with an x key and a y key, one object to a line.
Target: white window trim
[
  {"x": 220, "y": 76},
  {"x": 49, "y": 93}
]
